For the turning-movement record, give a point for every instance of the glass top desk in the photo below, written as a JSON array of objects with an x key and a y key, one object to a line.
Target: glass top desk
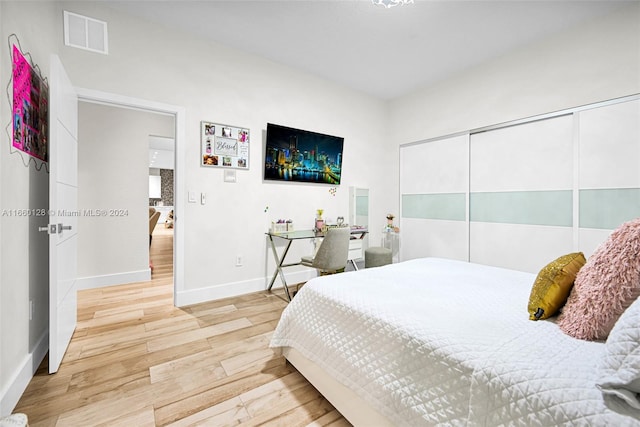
[{"x": 357, "y": 233}]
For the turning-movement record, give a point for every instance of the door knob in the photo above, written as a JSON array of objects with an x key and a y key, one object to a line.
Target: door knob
[{"x": 51, "y": 228}]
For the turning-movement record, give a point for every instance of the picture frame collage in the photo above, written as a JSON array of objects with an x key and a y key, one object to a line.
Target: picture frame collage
[{"x": 224, "y": 146}]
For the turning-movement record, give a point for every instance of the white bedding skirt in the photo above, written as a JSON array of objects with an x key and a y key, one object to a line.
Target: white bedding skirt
[{"x": 352, "y": 406}]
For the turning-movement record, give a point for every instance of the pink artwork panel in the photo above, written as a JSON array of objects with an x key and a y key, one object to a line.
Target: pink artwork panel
[{"x": 30, "y": 109}]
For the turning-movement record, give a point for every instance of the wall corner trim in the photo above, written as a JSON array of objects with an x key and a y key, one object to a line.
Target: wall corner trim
[
  {"x": 10, "y": 396},
  {"x": 93, "y": 282},
  {"x": 227, "y": 290}
]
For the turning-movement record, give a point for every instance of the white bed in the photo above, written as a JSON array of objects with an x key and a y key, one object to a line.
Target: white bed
[{"x": 434, "y": 341}]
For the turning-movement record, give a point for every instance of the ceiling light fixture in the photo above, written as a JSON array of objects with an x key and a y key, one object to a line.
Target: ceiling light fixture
[{"x": 391, "y": 3}]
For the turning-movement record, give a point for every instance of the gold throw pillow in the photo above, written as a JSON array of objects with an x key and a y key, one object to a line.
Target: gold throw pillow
[{"x": 553, "y": 285}]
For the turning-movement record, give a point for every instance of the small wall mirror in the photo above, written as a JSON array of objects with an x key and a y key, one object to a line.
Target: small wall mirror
[{"x": 359, "y": 216}]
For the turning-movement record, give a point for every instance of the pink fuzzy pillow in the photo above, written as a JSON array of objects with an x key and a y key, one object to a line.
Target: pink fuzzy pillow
[{"x": 607, "y": 284}]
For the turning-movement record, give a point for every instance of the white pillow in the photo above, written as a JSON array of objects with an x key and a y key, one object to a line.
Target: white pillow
[{"x": 619, "y": 377}]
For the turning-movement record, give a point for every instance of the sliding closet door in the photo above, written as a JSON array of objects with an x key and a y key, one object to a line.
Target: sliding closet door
[
  {"x": 521, "y": 194},
  {"x": 609, "y": 178},
  {"x": 434, "y": 180}
]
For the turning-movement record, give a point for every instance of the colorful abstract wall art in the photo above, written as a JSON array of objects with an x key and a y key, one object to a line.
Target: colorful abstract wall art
[{"x": 30, "y": 109}]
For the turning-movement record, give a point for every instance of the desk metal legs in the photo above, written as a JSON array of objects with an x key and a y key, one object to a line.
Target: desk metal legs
[{"x": 279, "y": 265}]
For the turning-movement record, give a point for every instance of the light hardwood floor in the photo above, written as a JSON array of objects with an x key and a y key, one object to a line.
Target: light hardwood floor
[{"x": 136, "y": 360}]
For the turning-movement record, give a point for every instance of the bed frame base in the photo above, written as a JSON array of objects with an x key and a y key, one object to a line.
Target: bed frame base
[{"x": 351, "y": 406}]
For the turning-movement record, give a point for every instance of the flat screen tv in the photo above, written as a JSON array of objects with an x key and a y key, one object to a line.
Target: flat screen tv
[{"x": 297, "y": 155}]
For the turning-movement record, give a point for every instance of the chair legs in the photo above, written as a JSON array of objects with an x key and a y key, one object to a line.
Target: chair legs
[{"x": 327, "y": 273}]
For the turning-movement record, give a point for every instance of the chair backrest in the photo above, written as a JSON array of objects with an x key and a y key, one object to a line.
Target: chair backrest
[
  {"x": 153, "y": 220},
  {"x": 152, "y": 210},
  {"x": 334, "y": 250}
]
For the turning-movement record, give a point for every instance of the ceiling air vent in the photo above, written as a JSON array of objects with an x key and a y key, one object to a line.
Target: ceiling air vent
[{"x": 85, "y": 33}]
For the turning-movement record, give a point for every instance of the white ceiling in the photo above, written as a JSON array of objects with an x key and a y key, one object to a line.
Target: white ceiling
[
  {"x": 382, "y": 52},
  {"x": 161, "y": 152}
]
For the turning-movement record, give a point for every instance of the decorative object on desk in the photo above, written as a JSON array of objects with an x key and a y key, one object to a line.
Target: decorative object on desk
[
  {"x": 224, "y": 146},
  {"x": 281, "y": 226},
  {"x": 278, "y": 227},
  {"x": 319, "y": 221},
  {"x": 328, "y": 227},
  {"x": 340, "y": 221}
]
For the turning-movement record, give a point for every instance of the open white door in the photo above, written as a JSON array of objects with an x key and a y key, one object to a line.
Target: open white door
[{"x": 63, "y": 205}]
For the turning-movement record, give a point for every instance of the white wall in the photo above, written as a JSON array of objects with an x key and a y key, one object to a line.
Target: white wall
[
  {"x": 593, "y": 62},
  {"x": 222, "y": 85},
  {"x": 24, "y": 261},
  {"x": 113, "y": 169}
]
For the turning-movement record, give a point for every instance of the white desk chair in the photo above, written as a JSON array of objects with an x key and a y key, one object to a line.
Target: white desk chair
[{"x": 333, "y": 252}]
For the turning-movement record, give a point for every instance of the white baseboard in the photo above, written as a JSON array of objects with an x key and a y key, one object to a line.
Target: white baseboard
[
  {"x": 21, "y": 378},
  {"x": 226, "y": 290},
  {"x": 114, "y": 279}
]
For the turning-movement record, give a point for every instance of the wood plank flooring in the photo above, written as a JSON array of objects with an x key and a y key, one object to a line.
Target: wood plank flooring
[{"x": 136, "y": 360}]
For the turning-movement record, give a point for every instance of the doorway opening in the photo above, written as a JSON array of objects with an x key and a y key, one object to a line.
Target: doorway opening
[
  {"x": 168, "y": 257},
  {"x": 161, "y": 205}
]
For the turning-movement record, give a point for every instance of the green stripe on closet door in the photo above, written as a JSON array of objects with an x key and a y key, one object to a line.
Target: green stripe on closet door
[
  {"x": 523, "y": 207},
  {"x": 608, "y": 208},
  {"x": 447, "y": 206}
]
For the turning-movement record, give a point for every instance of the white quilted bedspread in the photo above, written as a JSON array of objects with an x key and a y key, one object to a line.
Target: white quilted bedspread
[{"x": 442, "y": 342}]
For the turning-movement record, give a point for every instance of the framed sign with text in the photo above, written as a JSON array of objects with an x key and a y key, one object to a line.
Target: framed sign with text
[{"x": 224, "y": 146}]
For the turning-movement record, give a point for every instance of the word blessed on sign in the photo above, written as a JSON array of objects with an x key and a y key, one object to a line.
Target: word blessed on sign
[{"x": 225, "y": 146}]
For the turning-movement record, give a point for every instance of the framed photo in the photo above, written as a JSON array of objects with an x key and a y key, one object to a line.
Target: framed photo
[{"x": 224, "y": 146}]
